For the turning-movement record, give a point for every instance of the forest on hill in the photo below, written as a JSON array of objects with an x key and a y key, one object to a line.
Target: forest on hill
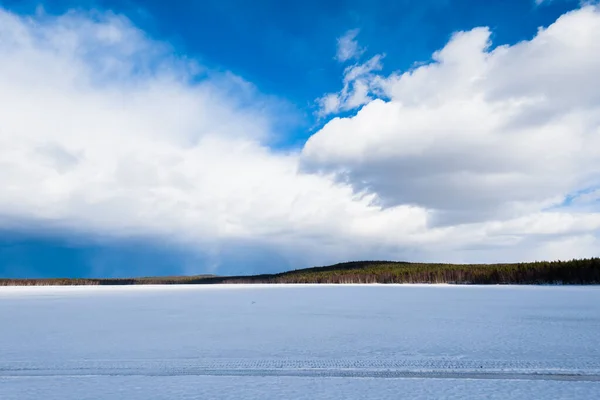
[{"x": 574, "y": 272}]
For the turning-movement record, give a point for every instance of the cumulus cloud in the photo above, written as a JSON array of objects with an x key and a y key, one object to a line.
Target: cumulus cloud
[
  {"x": 348, "y": 47},
  {"x": 104, "y": 130},
  {"x": 478, "y": 133}
]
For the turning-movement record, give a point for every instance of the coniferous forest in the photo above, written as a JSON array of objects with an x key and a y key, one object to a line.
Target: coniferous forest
[{"x": 574, "y": 272}]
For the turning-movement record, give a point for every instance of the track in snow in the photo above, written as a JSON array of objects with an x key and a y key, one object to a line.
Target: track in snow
[{"x": 577, "y": 370}]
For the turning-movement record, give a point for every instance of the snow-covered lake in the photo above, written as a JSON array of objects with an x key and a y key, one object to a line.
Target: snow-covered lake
[{"x": 300, "y": 342}]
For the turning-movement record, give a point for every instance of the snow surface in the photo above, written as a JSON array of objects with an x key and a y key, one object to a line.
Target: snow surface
[{"x": 304, "y": 342}]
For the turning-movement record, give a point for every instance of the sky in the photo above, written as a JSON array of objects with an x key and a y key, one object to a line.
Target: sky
[{"x": 230, "y": 137}]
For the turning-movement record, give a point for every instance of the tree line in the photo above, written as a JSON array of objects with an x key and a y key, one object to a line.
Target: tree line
[{"x": 574, "y": 272}]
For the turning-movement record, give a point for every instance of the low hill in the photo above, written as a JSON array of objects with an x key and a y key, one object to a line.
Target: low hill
[{"x": 575, "y": 272}]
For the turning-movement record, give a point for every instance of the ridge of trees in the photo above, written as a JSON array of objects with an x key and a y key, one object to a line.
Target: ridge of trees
[{"x": 574, "y": 272}]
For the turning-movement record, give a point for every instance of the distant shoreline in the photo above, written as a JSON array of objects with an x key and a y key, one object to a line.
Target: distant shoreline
[{"x": 574, "y": 272}]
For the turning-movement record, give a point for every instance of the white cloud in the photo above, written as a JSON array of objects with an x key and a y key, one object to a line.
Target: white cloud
[
  {"x": 347, "y": 46},
  {"x": 478, "y": 134},
  {"x": 356, "y": 91},
  {"x": 104, "y": 130}
]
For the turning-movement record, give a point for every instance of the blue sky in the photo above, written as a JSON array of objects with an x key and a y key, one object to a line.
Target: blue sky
[{"x": 226, "y": 159}]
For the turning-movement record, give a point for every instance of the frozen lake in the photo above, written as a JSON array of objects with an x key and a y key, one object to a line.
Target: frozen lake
[{"x": 304, "y": 342}]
